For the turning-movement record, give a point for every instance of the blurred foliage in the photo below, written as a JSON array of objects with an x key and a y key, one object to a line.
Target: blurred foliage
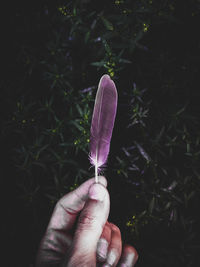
[{"x": 149, "y": 48}]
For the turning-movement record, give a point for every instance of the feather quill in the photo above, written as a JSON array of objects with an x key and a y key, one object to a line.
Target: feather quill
[{"x": 103, "y": 119}]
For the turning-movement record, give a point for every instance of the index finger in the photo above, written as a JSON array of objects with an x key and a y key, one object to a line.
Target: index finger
[{"x": 69, "y": 206}]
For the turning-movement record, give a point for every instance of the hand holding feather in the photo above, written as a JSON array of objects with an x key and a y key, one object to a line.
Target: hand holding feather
[{"x": 103, "y": 119}]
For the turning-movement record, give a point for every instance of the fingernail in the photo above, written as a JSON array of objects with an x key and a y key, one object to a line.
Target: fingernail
[
  {"x": 97, "y": 192},
  {"x": 102, "y": 249},
  {"x": 111, "y": 258},
  {"x": 130, "y": 260}
]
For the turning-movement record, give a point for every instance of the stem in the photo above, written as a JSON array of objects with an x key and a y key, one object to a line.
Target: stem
[
  {"x": 96, "y": 169},
  {"x": 96, "y": 174}
]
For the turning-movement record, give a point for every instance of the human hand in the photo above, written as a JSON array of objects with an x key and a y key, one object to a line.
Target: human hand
[{"x": 79, "y": 235}]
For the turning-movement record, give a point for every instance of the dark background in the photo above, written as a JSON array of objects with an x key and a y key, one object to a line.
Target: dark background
[{"x": 51, "y": 53}]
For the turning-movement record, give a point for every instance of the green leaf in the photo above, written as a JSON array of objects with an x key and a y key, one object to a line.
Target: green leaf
[
  {"x": 151, "y": 205},
  {"x": 122, "y": 60},
  {"x": 107, "y": 24},
  {"x": 79, "y": 110},
  {"x": 77, "y": 125},
  {"x": 87, "y": 36},
  {"x": 99, "y": 64}
]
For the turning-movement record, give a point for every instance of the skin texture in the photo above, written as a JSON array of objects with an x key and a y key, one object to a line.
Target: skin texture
[{"x": 79, "y": 234}]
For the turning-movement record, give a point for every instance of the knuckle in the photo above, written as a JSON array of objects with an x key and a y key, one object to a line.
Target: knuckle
[
  {"x": 87, "y": 221},
  {"x": 114, "y": 228},
  {"x": 106, "y": 230},
  {"x": 106, "y": 233}
]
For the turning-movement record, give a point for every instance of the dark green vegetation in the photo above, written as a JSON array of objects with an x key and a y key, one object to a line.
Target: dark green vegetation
[{"x": 51, "y": 55}]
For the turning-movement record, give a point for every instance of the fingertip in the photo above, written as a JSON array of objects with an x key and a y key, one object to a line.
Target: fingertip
[
  {"x": 82, "y": 190},
  {"x": 129, "y": 256},
  {"x": 102, "y": 249},
  {"x": 97, "y": 192},
  {"x": 131, "y": 249},
  {"x": 102, "y": 180}
]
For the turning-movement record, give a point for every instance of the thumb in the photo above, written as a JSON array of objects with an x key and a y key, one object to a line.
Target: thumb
[{"x": 90, "y": 226}]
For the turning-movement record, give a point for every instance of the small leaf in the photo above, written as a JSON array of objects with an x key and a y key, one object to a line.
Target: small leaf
[
  {"x": 79, "y": 110},
  {"x": 77, "y": 125},
  {"x": 122, "y": 60},
  {"x": 151, "y": 205},
  {"x": 99, "y": 64},
  {"x": 191, "y": 195},
  {"x": 107, "y": 24},
  {"x": 143, "y": 152},
  {"x": 168, "y": 205},
  {"x": 87, "y": 36}
]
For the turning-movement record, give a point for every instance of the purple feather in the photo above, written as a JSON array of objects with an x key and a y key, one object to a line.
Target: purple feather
[{"x": 102, "y": 122}]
